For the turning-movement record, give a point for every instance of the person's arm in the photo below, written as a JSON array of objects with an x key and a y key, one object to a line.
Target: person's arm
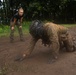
[
  {"x": 29, "y": 50},
  {"x": 13, "y": 23},
  {"x": 21, "y": 19},
  {"x": 21, "y": 22},
  {"x": 30, "y": 47}
]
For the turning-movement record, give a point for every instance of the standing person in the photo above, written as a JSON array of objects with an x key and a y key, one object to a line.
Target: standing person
[{"x": 17, "y": 20}]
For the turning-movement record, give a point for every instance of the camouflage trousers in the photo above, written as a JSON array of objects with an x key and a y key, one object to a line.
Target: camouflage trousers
[{"x": 18, "y": 24}]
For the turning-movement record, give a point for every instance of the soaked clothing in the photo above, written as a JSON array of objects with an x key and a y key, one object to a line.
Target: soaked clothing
[
  {"x": 18, "y": 24},
  {"x": 19, "y": 30},
  {"x": 51, "y": 34},
  {"x": 17, "y": 17},
  {"x": 38, "y": 31}
]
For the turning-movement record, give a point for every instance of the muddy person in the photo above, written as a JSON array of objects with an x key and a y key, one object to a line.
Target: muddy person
[
  {"x": 52, "y": 35},
  {"x": 16, "y": 20}
]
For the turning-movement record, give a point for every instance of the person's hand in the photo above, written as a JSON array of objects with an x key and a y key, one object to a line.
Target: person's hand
[
  {"x": 12, "y": 28},
  {"x": 20, "y": 26},
  {"x": 20, "y": 57}
]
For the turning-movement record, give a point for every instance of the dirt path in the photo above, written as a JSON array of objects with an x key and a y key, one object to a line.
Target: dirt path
[{"x": 38, "y": 63}]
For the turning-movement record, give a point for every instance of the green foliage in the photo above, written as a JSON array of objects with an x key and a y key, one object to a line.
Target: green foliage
[
  {"x": 5, "y": 31},
  {"x": 56, "y": 10},
  {"x": 3, "y": 71}
]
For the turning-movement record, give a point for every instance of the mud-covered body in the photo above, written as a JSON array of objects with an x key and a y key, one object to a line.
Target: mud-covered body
[{"x": 51, "y": 34}]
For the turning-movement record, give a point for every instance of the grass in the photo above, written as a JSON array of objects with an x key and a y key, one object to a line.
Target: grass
[
  {"x": 5, "y": 30},
  {"x": 69, "y": 25},
  {"x": 3, "y": 71}
]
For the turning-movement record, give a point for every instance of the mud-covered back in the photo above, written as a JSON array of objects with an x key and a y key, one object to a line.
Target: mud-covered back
[{"x": 36, "y": 28}]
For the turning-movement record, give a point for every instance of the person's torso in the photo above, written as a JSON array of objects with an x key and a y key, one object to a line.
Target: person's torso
[{"x": 17, "y": 17}]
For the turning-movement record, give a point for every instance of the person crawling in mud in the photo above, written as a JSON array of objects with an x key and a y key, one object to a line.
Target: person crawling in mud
[
  {"x": 17, "y": 20},
  {"x": 52, "y": 35}
]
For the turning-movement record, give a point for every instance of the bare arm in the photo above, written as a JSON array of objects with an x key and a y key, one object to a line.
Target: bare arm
[
  {"x": 14, "y": 22},
  {"x": 30, "y": 47}
]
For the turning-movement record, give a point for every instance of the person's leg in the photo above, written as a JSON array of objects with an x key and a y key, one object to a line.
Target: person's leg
[
  {"x": 55, "y": 46},
  {"x": 19, "y": 26},
  {"x": 12, "y": 32},
  {"x": 54, "y": 39},
  {"x": 68, "y": 43}
]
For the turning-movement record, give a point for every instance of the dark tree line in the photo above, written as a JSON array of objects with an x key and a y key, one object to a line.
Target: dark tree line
[{"x": 53, "y": 10}]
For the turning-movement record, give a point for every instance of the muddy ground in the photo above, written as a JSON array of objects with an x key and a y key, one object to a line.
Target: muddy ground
[{"x": 39, "y": 63}]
